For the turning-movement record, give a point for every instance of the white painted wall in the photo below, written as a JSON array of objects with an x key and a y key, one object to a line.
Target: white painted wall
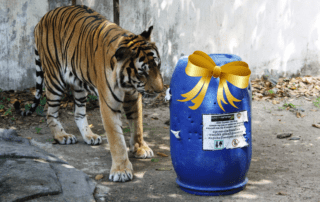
[
  {"x": 281, "y": 35},
  {"x": 17, "y": 21},
  {"x": 104, "y": 7}
]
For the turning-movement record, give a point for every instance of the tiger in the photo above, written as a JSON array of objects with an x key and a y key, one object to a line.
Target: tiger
[{"x": 77, "y": 48}]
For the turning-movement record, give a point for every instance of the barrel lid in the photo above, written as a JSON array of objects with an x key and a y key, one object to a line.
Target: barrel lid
[{"x": 219, "y": 58}]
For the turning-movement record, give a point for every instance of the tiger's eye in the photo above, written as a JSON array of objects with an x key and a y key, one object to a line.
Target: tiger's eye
[{"x": 141, "y": 59}]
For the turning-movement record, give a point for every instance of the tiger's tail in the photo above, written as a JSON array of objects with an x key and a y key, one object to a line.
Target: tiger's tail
[{"x": 36, "y": 101}]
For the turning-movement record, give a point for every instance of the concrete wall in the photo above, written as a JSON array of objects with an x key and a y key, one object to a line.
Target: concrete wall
[
  {"x": 17, "y": 21},
  {"x": 268, "y": 34},
  {"x": 104, "y": 7}
]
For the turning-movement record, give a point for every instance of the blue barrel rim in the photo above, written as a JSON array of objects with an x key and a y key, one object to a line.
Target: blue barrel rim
[{"x": 212, "y": 189}]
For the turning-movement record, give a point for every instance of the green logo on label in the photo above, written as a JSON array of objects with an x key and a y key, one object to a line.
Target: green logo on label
[{"x": 218, "y": 144}]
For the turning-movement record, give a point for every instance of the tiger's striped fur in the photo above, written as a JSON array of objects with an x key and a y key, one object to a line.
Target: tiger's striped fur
[{"x": 78, "y": 47}]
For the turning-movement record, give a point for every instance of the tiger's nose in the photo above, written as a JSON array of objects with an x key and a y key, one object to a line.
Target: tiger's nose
[{"x": 158, "y": 88}]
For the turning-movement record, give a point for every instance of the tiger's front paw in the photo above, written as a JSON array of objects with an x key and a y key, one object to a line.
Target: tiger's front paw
[
  {"x": 65, "y": 138},
  {"x": 141, "y": 152},
  {"x": 92, "y": 139},
  {"x": 121, "y": 173}
]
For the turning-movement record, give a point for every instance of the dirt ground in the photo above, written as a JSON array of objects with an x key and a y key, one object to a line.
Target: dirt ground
[{"x": 280, "y": 170}]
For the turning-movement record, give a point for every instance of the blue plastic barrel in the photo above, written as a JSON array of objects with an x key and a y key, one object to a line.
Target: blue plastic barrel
[{"x": 204, "y": 164}]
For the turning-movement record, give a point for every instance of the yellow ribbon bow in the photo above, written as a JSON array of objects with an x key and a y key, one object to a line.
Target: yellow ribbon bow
[{"x": 200, "y": 64}]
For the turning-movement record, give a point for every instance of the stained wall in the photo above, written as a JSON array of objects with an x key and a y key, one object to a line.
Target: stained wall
[
  {"x": 17, "y": 21},
  {"x": 279, "y": 36}
]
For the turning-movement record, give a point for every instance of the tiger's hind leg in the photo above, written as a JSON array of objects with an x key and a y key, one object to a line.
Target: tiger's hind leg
[
  {"x": 54, "y": 98},
  {"x": 133, "y": 109},
  {"x": 80, "y": 98}
]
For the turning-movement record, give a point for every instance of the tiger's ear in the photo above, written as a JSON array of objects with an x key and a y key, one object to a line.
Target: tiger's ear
[
  {"x": 123, "y": 52},
  {"x": 147, "y": 34}
]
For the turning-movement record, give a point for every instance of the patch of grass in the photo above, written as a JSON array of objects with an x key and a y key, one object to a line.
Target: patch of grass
[
  {"x": 27, "y": 107},
  {"x": 8, "y": 99},
  {"x": 126, "y": 130},
  {"x": 92, "y": 98},
  {"x": 154, "y": 160},
  {"x": 38, "y": 130},
  {"x": 1, "y": 106},
  {"x": 43, "y": 101},
  {"x": 271, "y": 91},
  {"x": 13, "y": 119},
  {"x": 40, "y": 110},
  {"x": 282, "y": 108},
  {"x": 317, "y": 102},
  {"x": 289, "y": 105},
  {"x": 8, "y": 112}
]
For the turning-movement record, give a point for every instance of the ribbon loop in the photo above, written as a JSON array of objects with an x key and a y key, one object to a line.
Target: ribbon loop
[{"x": 201, "y": 65}]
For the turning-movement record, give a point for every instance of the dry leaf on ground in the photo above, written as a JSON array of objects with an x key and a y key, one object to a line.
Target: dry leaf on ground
[
  {"x": 298, "y": 114},
  {"x": 294, "y": 87},
  {"x": 98, "y": 177},
  {"x": 162, "y": 154},
  {"x": 316, "y": 125},
  {"x": 19, "y": 122},
  {"x": 282, "y": 193},
  {"x": 284, "y": 135}
]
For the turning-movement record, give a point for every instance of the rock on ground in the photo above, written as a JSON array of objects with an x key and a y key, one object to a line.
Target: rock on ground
[{"x": 30, "y": 173}]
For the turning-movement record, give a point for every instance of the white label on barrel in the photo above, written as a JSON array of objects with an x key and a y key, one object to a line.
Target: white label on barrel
[{"x": 224, "y": 130}]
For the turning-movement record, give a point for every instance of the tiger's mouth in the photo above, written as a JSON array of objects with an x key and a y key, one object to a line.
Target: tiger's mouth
[{"x": 148, "y": 97}]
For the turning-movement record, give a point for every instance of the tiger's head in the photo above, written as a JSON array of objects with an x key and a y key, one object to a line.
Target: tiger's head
[{"x": 140, "y": 65}]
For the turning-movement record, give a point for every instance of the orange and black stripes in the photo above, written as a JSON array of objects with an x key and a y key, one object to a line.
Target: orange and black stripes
[{"x": 78, "y": 46}]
